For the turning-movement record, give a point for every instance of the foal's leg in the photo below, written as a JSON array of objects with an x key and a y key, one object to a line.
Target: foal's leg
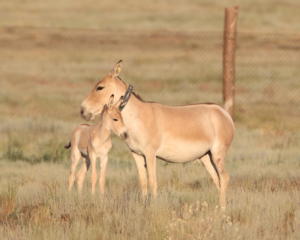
[
  {"x": 82, "y": 173},
  {"x": 103, "y": 164},
  {"x": 75, "y": 157},
  {"x": 218, "y": 155},
  {"x": 207, "y": 162},
  {"x": 142, "y": 172},
  {"x": 93, "y": 158}
]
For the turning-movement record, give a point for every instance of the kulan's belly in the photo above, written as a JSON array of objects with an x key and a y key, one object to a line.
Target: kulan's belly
[{"x": 180, "y": 151}]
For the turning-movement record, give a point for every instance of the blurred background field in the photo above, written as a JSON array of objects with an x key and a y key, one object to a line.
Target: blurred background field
[{"x": 52, "y": 52}]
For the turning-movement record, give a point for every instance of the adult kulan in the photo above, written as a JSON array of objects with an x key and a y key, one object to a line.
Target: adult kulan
[{"x": 176, "y": 134}]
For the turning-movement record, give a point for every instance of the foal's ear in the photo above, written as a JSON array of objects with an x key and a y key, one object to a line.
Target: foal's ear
[
  {"x": 111, "y": 101},
  {"x": 117, "y": 69},
  {"x": 117, "y": 104},
  {"x": 105, "y": 107}
]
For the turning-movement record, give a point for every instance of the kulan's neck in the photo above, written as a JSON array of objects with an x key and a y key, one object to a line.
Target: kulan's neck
[
  {"x": 121, "y": 89},
  {"x": 132, "y": 114},
  {"x": 134, "y": 105}
]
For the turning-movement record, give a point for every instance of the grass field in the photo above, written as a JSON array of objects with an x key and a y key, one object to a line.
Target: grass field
[{"x": 51, "y": 55}]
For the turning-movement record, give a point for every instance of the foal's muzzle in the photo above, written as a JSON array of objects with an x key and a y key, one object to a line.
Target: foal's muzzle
[{"x": 124, "y": 135}]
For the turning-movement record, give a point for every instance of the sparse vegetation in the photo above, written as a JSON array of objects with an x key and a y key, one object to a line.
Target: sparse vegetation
[{"x": 51, "y": 55}]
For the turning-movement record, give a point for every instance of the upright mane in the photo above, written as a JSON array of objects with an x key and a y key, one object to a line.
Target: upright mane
[
  {"x": 134, "y": 93},
  {"x": 138, "y": 97}
]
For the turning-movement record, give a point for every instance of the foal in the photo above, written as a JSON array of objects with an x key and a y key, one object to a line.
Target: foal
[{"x": 92, "y": 142}]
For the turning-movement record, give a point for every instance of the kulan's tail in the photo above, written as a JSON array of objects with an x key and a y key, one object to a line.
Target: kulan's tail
[{"x": 67, "y": 146}]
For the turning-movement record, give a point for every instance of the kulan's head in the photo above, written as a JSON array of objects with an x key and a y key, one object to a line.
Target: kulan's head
[
  {"x": 112, "y": 113},
  {"x": 110, "y": 85}
]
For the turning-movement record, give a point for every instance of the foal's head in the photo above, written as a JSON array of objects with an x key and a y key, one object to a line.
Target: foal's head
[
  {"x": 110, "y": 85},
  {"x": 112, "y": 115}
]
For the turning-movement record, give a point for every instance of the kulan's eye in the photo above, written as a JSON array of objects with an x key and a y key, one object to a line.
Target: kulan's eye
[
  {"x": 115, "y": 119},
  {"x": 99, "y": 88}
]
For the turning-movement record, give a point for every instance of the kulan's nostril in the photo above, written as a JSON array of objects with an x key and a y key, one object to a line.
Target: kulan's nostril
[{"x": 81, "y": 111}]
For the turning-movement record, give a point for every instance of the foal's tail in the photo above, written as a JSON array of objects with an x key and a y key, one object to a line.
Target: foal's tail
[{"x": 67, "y": 146}]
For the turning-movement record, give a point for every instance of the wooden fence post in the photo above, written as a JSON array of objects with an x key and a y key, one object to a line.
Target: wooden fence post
[{"x": 229, "y": 58}]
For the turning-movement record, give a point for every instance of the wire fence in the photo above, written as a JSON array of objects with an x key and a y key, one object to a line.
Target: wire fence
[
  {"x": 267, "y": 65},
  {"x": 267, "y": 82}
]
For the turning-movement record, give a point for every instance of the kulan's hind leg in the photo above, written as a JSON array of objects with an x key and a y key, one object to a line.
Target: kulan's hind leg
[
  {"x": 218, "y": 156},
  {"x": 75, "y": 157},
  {"x": 209, "y": 165}
]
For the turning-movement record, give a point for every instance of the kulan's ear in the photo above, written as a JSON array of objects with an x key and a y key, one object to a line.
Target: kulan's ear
[
  {"x": 117, "y": 69},
  {"x": 111, "y": 101}
]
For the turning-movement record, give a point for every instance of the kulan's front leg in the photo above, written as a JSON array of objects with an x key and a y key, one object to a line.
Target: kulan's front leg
[
  {"x": 142, "y": 172},
  {"x": 151, "y": 168}
]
